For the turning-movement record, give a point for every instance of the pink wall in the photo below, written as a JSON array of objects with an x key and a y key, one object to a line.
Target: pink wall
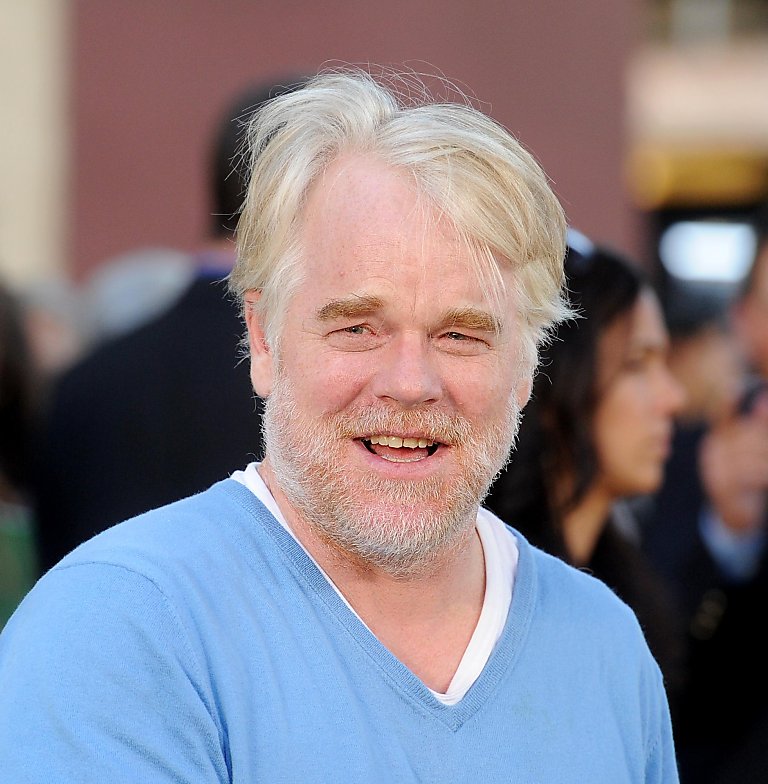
[{"x": 150, "y": 78}]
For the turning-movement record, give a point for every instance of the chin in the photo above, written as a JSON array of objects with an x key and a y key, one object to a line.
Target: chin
[{"x": 645, "y": 485}]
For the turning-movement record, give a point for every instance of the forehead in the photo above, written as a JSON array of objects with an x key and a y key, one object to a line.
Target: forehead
[
  {"x": 642, "y": 323},
  {"x": 640, "y": 329},
  {"x": 648, "y": 326},
  {"x": 367, "y": 224}
]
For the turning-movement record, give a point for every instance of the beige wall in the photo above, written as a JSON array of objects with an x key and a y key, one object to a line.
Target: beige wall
[{"x": 33, "y": 139}]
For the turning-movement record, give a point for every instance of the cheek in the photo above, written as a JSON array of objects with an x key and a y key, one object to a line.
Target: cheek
[
  {"x": 326, "y": 384},
  {"x": 622, "y": 468},
  {"x": 618, "y": 427},
  {"x": 627, "y": 460},
  {"x": 610, "y": 439},
  {"x": 481, "y": 389}
]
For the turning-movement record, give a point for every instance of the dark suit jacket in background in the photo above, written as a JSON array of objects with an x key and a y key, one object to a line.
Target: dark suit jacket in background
[
  {"x": 147, "y": 418},
  {"x": 722, "y": 734}
]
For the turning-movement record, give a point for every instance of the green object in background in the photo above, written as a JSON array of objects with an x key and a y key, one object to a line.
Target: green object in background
[{"x": 18, "y": 561}]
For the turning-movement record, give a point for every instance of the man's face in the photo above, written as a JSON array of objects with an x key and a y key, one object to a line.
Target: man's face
[{"x": 395, "y": 396}]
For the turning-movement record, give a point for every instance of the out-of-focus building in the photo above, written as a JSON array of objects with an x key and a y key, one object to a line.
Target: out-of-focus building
[
  {"x": 108, "y": 107},
  {"x": 698, "y": 117},
  {"x": 645, "y": 113}
]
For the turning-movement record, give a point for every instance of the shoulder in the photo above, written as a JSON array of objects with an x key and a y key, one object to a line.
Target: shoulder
[
  {"x": 577, "y": 616},
  {"x": 104, "y": 646},
  {"x": 178, "y": 533},
  {"x": 181, "y": 549},
  {"x": 173, "y": 568},
  {"x": 576, "y": 599},
  {"x": 165, "y": 339}
]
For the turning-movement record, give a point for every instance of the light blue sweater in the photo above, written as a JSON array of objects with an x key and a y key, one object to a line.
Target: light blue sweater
[{"x": 198, "y": 643}]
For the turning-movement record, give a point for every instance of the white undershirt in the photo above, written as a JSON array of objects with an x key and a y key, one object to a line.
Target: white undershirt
[{"x": 501, "y": 554}]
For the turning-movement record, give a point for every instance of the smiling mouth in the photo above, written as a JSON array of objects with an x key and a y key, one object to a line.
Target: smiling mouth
[{"x": 400, "y": 450}]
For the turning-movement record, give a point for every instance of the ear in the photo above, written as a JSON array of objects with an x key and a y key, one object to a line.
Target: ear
[
  {"x": 524, "y": 370},
  {"x": 523, "y": 391},
  {"x": 262, "y": 359}
]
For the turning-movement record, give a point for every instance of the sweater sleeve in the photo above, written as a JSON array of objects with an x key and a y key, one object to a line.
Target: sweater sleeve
[
  {"x": 98, "y": 684},
  {"x": 661, "y": 762}
]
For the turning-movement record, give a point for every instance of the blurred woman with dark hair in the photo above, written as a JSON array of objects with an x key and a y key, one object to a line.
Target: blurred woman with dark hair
[{"x": 597, "y": 431}]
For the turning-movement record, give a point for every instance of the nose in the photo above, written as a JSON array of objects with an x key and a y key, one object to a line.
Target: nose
[{"x": 405, "y": 372}]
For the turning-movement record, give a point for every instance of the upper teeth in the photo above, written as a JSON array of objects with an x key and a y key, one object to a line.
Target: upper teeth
[{"x": 396, "y": 442}]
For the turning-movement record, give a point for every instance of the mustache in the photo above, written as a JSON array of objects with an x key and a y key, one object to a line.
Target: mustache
[
  {"x": 425, "y": 422},
  {"x": 431, "y": 424}
]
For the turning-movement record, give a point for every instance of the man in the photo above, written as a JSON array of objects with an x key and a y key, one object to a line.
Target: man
[
  {"x": 163, "y": 411},
  {"x": 345, "y": 611}
]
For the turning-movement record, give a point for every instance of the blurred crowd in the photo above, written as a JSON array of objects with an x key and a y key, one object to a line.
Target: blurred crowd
[
  {"x": 643, "y": 454},
  {"x": 126, "y": 391}
]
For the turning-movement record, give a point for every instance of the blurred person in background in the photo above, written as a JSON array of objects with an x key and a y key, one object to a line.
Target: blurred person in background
[
  {"x": 707, "y": 535},
  {"x": 597, "y": 431},
  {"x": 163, "y": 410},
  {"x": 750, "y": 314},
  {"x": 704, "y": 356},
  {"x": 18, "y": 393},
  {"x": 52, "y": 311},
  {"x": 132, "y": 288}
]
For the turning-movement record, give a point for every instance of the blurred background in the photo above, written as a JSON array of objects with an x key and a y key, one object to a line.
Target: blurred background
[{"x": 650, "y": 116}]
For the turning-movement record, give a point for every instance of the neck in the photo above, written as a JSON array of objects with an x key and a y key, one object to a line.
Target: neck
[
  {"x": 583, "y": 525},
  {"x": 427, "y": 619}
]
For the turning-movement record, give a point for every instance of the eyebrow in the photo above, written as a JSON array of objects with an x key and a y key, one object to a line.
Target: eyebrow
[
  {"x": 349, "y": 307},
  {"x": 473, "y": 318},
  {"x": 648, "y": 347},
  {"x": 357, "y": 306}
]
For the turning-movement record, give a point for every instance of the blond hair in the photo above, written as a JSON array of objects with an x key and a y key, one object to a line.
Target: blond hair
[{"x": 470, "y": 168}]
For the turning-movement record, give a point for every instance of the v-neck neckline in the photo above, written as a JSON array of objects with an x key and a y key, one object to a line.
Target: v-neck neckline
[{"x": 399, "y": 678}]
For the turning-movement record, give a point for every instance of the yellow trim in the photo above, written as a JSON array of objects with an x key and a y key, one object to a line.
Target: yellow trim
[{"x": 675, "y": 177}]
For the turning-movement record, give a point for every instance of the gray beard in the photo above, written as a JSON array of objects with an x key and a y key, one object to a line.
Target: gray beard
[{"x": 412, "y": 522}]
